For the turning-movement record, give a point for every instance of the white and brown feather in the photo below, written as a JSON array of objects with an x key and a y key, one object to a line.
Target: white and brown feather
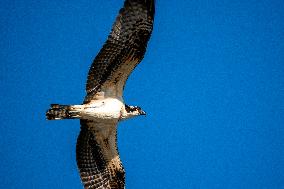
[
  {"x": 124, "y": 48},
  {"x": 97, "y": 156},
  {"x": 103, "y": 107}
]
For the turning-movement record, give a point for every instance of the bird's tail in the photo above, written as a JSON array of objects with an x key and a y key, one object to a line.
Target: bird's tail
[{"x": 57, "y": 111}]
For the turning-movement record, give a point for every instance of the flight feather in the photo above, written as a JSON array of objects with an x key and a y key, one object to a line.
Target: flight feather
[{"x": 124, "y": 48}]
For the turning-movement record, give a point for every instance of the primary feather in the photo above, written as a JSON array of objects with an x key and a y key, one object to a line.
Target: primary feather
[
  {"x": 96, "y": 152},
  {"x": 124, "y": 48}
]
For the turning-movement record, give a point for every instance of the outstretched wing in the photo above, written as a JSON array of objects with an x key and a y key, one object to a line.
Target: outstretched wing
[
  {"x": 123, "y": 50},
  {"x": 97, "y": 156}
]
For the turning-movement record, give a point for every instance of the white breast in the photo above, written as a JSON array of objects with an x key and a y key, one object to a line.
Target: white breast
[{"x": 105, "y": 109}]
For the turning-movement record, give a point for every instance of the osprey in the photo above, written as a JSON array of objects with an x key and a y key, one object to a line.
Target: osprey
[{"x": 103, "y": 107}]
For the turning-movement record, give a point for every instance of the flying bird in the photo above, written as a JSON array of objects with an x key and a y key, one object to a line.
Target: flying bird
[{"x": 97, "y": 156}]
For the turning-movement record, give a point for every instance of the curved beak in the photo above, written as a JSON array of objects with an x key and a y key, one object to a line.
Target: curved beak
[{"x": 141, "y": 112}]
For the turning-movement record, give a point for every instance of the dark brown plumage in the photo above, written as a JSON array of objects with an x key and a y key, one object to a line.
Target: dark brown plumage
[
  {"x": 93, "y": 160},
  {"x": 126, "y": 44},
  {"x": 97, "y": 156}
]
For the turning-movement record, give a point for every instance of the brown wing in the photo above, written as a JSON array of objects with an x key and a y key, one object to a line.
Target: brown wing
[
  {"x": 97, "y": 156},
  {"x": 124, "y": 48}
]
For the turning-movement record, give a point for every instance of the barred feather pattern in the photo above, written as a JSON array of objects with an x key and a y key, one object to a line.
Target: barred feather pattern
[
  {"x": 126, "y": 44},
  {"x": 97, "y": 157},
  {"x": 96, "y": 153}
]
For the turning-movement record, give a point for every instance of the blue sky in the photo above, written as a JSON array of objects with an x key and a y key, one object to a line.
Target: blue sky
[{"x": 212, "y": 84}]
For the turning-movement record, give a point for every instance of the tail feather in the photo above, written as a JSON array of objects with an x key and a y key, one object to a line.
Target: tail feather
[{"x": 57, "y": 111}]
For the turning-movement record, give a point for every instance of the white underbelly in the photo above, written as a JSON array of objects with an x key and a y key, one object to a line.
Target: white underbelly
[{"x": 105, "y": 109}]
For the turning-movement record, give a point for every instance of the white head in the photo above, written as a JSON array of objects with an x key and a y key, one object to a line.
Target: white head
[{"x": 131, "y": 111}]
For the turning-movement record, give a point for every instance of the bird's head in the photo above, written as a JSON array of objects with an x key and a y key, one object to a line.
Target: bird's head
[{"x": 131, "y": 111}]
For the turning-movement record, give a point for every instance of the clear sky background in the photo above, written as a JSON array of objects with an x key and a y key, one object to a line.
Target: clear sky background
[{"x": 212, "y": 84}]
